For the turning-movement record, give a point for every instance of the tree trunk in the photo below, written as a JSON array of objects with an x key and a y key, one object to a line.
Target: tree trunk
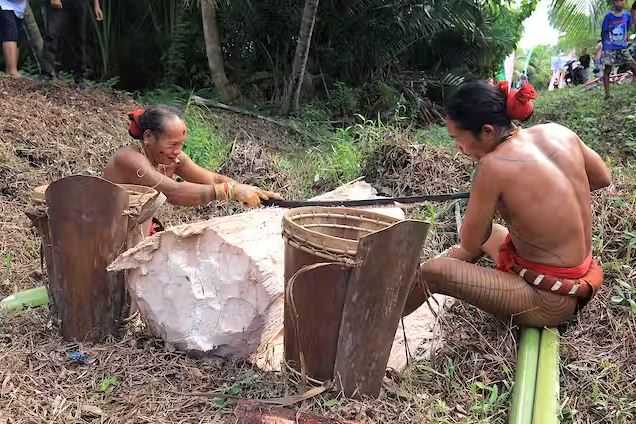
[
  {"x": 227, "y": 91},
  {"x": 34, "y": 37},
  {"x": 291, "y": 99}
]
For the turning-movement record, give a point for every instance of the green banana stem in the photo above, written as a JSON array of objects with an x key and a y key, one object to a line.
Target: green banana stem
[
  {"x": 525, "y": 377},
  {"x": 31, "y": 298},
  {"x": 546, "y": 397}
]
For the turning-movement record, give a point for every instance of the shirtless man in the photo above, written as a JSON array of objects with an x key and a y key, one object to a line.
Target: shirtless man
[
  {"x": 158, "y": 158},
  {"x": 539, "y": 180}
]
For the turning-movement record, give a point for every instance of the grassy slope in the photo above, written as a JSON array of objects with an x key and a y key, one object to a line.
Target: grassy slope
[
  {"x": 469, "y": 380},
  {"x": 597, "y": 369}
]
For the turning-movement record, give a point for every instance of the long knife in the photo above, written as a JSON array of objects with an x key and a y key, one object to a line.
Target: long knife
[{"x": 409, "y": 200}]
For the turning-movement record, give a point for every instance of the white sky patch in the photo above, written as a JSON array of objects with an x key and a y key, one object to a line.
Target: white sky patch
[{"x": 537, "y": 29}]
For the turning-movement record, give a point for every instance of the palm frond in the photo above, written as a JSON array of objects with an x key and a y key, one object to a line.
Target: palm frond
[{"x": 577, "y": 18}]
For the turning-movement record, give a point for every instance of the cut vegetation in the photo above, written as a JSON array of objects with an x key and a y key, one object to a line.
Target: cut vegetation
[{"x": 51, "y": 131}]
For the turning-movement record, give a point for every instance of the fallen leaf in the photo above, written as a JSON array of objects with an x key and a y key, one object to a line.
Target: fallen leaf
[{"x": 91, "y": 410}]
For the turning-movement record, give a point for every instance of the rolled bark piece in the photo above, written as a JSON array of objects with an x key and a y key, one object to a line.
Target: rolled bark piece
[
  {"x": 216, "y": 287},
  {"x": 84, "y": 204},
  {"x": 88, "y": 229},
  {"x": 386, "y": 263},
  {"x": 315, "y": 298}
]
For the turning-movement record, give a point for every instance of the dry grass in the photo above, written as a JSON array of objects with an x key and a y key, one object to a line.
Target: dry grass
[
  {"x": 48, "y": 131},
  {"x": 137, "y": 379}
]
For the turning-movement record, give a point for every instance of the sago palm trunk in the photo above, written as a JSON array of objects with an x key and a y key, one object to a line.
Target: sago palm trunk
[
  {"x": 291, "y": 99},
  {"x": 227, "y": 91}
]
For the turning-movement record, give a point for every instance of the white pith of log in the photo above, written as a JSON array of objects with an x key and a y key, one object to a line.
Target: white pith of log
[{"x": 217, "y": 286}]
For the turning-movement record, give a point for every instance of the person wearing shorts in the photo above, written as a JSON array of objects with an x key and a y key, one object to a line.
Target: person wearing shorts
[
  {"x": 614, "y": 33},
  {"x": 11, "y": 15}
]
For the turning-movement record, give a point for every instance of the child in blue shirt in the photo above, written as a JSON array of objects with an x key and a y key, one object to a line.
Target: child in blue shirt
[{"x": 614, "y": 33}]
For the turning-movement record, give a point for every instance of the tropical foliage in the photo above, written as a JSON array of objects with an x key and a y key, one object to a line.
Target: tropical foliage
[
  {"x": 416, "y": 47},
  {"x": 579, "y": 20},
  {"x": 538, "y": 61}
]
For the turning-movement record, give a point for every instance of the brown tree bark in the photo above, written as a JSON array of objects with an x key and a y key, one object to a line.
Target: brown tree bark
[
  {"x": 376, "y": 295},
  {"x": 227, "y": 91},
  {"x": 35, "y": 40},
  {"x": 291, "y": 98},
  {"x": 87, "y": 230}
]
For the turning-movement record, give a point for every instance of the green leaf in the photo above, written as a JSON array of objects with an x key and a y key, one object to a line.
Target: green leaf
[
  {"x": 494, "y": 395},
  {"x": 331, "y": 403},
  {"x": 617, "y": 300},
  {"x": 220, "y": 403},
  {"x": 235, "y": 390},
  {"x": 482, "y": 386},
  {"x": 632, "y": 305},
  {"x": 107, "y": 383}
]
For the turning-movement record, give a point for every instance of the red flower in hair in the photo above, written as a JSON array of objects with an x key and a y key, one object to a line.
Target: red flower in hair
[
  {"x": 519, "y": 105},
  {"x": 134, "y": 129}
]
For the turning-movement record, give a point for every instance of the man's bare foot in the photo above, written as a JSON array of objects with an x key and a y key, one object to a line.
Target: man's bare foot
[{"x": 15, "y": 74}]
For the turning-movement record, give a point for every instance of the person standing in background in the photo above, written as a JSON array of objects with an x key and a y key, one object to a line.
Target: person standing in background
[
  {"x": 68, "y": 19},
  {"x": 11, "y": 15},
  {"x": 614, "y": 33}
]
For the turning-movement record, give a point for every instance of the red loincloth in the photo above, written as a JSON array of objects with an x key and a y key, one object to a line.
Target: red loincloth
[{"x": 581, "y": 281}]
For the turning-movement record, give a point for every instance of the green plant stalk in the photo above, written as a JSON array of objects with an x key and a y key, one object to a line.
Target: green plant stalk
[
  {"x": 525, "y": 377},
  {"x": 31, "y": 298},
  {"x": 546, "y": 397}
]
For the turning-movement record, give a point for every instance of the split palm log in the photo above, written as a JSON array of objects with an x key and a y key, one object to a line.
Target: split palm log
[{"x": 217, "y": 286}]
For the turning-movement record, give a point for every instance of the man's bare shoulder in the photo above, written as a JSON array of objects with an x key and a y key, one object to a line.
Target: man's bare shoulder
[
  {"x": 489, "y": 167},
  {"x": 552, "y": 130}
]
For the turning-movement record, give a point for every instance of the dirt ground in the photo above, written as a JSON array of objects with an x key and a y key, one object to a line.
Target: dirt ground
[{"x": 50, "y": 131}]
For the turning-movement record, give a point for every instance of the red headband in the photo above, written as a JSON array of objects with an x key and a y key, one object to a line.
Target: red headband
[
  {"x": 133, "y": 127},
  {"x": 519, "y": 105}
]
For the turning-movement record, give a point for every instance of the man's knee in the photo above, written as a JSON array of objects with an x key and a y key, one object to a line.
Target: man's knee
[
  {"x": 418, "y": 294},
  {"x": 497, "y": 237}
]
